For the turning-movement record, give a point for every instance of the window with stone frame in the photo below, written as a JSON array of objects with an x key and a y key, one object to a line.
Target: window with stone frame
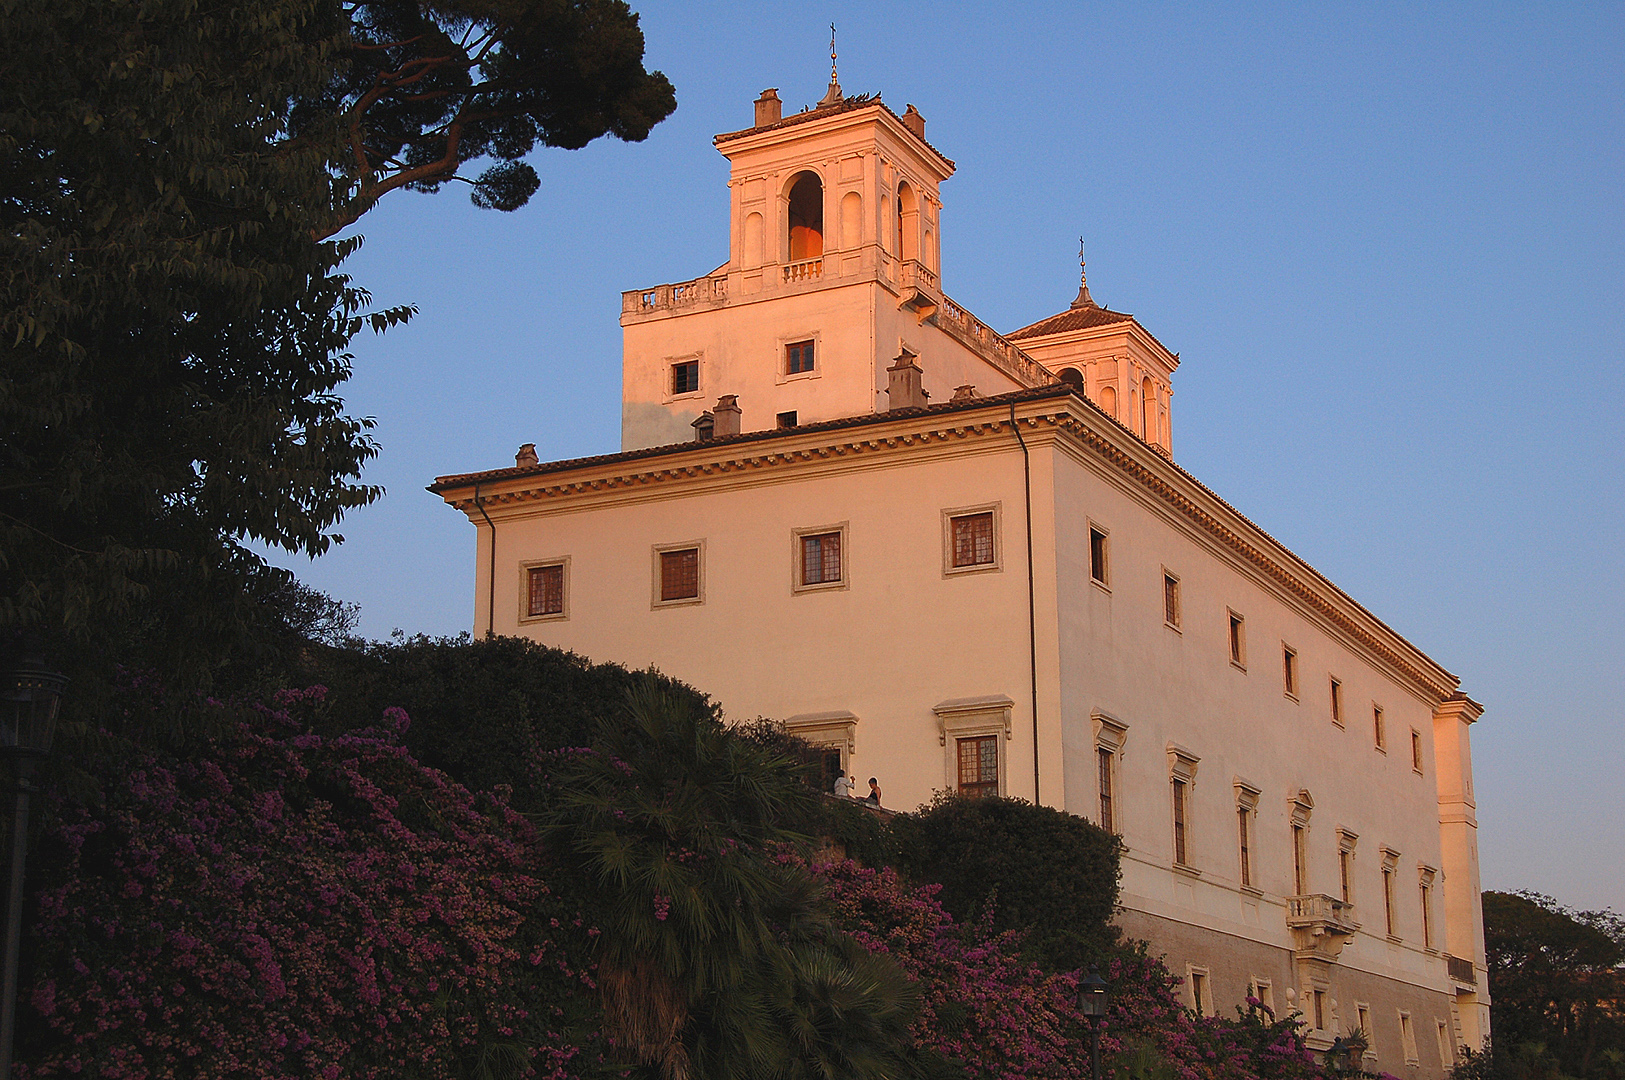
[
  {"x": 979, "y": 765},
  {"x": 972, "y": 539},
  {"x": 680, "y": 574},
  {"x": 821, "y": 562},
  {"x": 544, "y": 591}
]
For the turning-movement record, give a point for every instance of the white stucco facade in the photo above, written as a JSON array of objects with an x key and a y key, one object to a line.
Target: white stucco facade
[{"x": 1012, "y": 567}]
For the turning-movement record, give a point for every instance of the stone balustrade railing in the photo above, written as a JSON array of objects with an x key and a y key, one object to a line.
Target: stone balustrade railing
[
  {"x": 1320, "y": 911},
  {"x": 1001, "y": 351},
  {"x": 705, "y": 290},
  {"x": 804, "y": 270}
]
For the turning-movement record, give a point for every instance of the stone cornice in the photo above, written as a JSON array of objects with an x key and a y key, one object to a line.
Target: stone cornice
[{"x": 876, "y": 440}]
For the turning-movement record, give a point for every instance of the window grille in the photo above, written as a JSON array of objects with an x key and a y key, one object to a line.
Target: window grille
[
  {"x": 680, "y": 574},
  {"x": 821, "y": 558},
  {"x": 546, "y": 590},
  {"x": 685, "y": 377},
  {"x": 979, "y": 766},
  {"x": 973, "y": 539}
]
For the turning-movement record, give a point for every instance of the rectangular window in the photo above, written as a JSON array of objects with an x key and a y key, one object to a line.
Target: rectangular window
[
  {"x": 829, "y": 758},
  {"x": 546, "y": 591},
  {"x": 1170, "y": 600},
  {"x": 1427, "y": 915},
  {"x": 798, "y": 357},
  {"x": 1388, "y": 899},
  {"x": 685, "y": 377},
  {"x": 973, "y": 539},
  {"x": 1407, "y": 1038},
  {"x": 1344, "y": 856},
  {"x": 1318, "y": 999},
  {"x": 1447, "y": 1049},
  {"x": 1363, "y": 1014},
  {"x": 1244, "y": 831},
  {"x": 1263, "y": 992},
  {"x": 1201, "y": 1000},
  {"x": 787, "y": 419},
  {"x": 1378, "y": 732},
  {"x": 1103, "y": 760},
  {"x": 821, "y": 558},
  {"x": 1289, "y": 670},
  {"x": 1300, "y": 860},
  {"x": 1097, "y": 556},
  {"x": 1416, "y": 750},
  {"x": 1238, "y": 641},
  {"x": 680, "y": 574},
  {"x": 979, "y": 766},
  {"x": 1181, "y": 791},
  {"x": 1337, "y": 703}
]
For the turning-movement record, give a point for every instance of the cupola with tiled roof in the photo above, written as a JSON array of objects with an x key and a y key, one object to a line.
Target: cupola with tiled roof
[{"x": 1119, "y": 364}]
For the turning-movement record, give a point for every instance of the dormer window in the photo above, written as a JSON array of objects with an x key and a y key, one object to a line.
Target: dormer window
[{"x": 806, "y": 218}]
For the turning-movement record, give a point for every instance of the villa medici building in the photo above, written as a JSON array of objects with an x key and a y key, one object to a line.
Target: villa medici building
[{"x": 966, "y": 560}]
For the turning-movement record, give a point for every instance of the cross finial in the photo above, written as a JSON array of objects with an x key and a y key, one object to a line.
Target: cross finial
[
  {"x": 1084, "y": 299},
  {"x": 833, "y": 96}
]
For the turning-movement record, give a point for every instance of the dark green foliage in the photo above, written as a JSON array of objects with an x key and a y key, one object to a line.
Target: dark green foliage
[
  {"x": 480, "y": 709},
  {"x": 170, "y": 336},
  {"x": 717, "y": 958},
  {"x": 860, "y": 834},
  {"x": 429, "y": 86},
  {"x": 1044, "y": 872},
  {"x": 1556, "y": 979}
]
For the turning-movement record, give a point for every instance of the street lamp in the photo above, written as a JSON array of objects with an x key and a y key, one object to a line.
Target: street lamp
[
  {"x": 1093, "y": 997},
  {"x": 29, "y": 695}
]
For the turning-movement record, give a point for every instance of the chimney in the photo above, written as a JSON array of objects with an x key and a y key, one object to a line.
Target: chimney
[
  {"x": 769, "y": 109},
  {"x": 903, "y": 383},
  {"x": 914, "y": 122},
  {"x": 726, "y": 416},
  {"x": 526, "y": 455},
  {"x": 704, "y": 427}
]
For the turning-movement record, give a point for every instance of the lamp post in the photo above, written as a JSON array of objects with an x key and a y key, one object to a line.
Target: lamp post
[
  {"x": 29, "y": 695},
  {"x": 1093, "y": 996}
]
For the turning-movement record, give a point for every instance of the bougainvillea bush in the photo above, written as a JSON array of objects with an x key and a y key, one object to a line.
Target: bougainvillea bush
[
  {"x": 280, "y": 904},
  {"x": 1005, "y": 1018}
]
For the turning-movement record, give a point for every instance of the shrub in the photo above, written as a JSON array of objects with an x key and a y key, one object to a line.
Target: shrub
[{"x": 1047, "y": 873}]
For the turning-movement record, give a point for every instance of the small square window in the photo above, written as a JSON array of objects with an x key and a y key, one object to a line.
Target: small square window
[
  {"x": 972, "y": 540},
  {"x": 1098, "y": 551},
  {"x": 685, "y": 377},
  {"x": 1289, "y": 671},
  {"x": 798, "y": 357},
  {"x": 979, "y": 766},
  {"x": 1337, "y": 702},
  {"x": 677, "y": 572},
  {"x": 787, "y": 419},
  {"x": 1170, "y": 600},
  {"x": 1238, "y": 641},
  {"x": 821, "y": 562},
  {"x": 1379, "y": 732},
  {"x": 544, "y": 591}
]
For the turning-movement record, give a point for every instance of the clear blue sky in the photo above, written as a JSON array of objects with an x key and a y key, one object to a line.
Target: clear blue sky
[{"x": 1388, "y": 242}]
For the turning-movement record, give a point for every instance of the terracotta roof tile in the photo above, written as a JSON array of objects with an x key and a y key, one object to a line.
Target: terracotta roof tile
[{"x": 1078, "y": 318}]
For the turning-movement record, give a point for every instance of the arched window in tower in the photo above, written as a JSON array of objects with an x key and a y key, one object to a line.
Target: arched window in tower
[
  {"x": 1072, "y": 377},
  {"x": 908, "y": 223},
  {"x": 753, "y": 240},
  {"x": 1108, "y": 400},
  {"x": 806, "y": 217},
  {"x": 851, "y": 220},
  {"x": 1148, "y": 410}
]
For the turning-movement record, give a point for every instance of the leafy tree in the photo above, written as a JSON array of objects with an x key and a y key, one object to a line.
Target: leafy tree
[
  {"x": 170, "y": 336},
  {"x": 429, "y": 86},
  {"x": 1557, "y": 977},
  {"x": 173, "y": 333},
  {"x": 1050, "y": 874}
]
